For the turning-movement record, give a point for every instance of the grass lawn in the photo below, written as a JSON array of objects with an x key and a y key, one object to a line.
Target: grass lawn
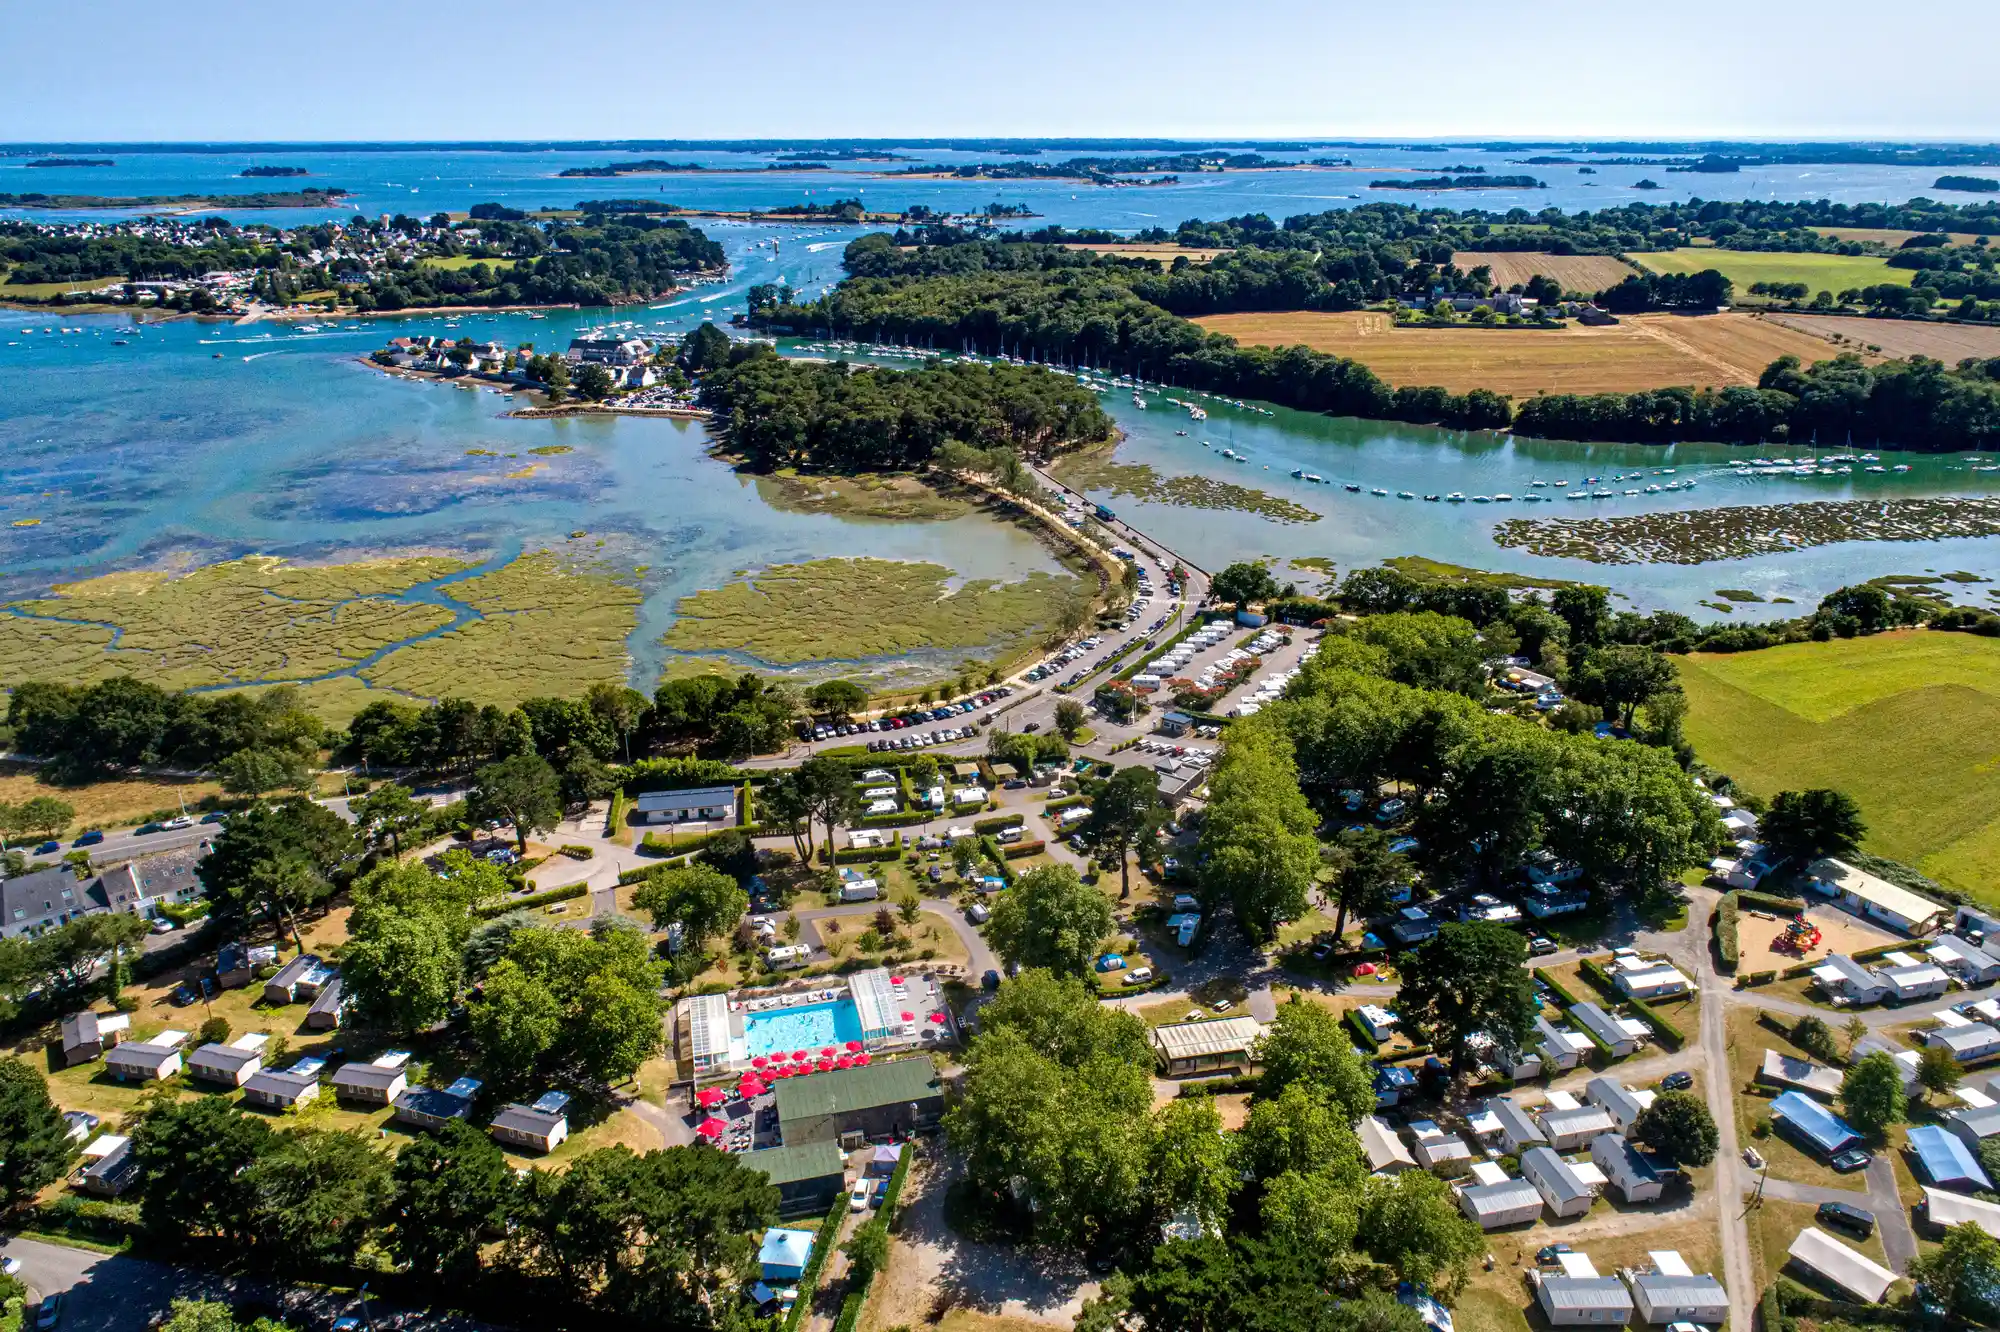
[
  {"x": 1907, "y": 722},
  {"x": 1774, "y": 1224},
  {"x": 1748, "y": 1039},
  {"x": 42, "y": 291},
  {"x": 107, "y": 804},
  {"x": 466, "y": 261},
  {"x": 1820, "y": 272}
]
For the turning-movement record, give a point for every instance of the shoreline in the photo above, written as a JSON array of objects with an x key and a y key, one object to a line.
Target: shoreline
[{"x": 539, "y": 408}]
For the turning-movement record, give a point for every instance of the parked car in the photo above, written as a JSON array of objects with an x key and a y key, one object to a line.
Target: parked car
[
  {"x": 91, "y": 838},
  {"x": 1549, "y": 1253},
  {"x": 1679, "y": 1080},
  {"x": 1851, "y": 1160},
  {"x": 1541, "y": 946},
  {"x": 217, "y": 817},
  {"x": 1847, "y": 1216},
  {"x": 991, "y": 980},
  {"x": 11, "y": 1266},
  {"x": 857, "y": 1197},
  {"x": 177, "y": 823},
  {"x": 1752, "y": 1158},
  {"x": 48, "y": 1313},
  {"x": 48, "y": 848}
]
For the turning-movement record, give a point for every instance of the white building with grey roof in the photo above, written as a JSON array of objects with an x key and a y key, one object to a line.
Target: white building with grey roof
[
  {"x": 1560, "y": 1186},
  {"x": 1624, "y": 1104},
  {"x": 1493, "y": 1206},
  {"x": 1672, "y": 1292}
]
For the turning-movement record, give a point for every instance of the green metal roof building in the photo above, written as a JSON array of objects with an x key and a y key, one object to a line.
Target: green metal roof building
[
  {"x": 851, "y": 1105},
  {"x": 808, "y": 1177}
]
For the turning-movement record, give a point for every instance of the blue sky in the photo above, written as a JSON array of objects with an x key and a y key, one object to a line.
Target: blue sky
[{"x": 113, "y": 69}]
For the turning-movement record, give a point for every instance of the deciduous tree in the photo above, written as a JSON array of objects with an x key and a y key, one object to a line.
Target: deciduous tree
[
  {"x": 1051, "y": 919},
  {"x": 1872, "y": 1093},
  {"x": 1470, "y": 979},
  {"x": 1679, "y": 1125}
]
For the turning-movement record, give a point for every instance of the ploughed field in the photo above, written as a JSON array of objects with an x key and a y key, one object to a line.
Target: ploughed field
[
  {"x": 1908, "y": 723},
  {"x": 1950, "y": 343},
  {"x": 1640, "y": 352}
]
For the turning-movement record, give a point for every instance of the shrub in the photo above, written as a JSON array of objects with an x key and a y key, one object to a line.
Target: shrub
[
  {"x": 1600, "y": 978},
  {"x": 1020, "y": 849},
  {"x": 999, "y": 822},
  {"x": 1362, "y": 1036},
  {"x": 1725, "y": 932},
  {"x": 488, "y": 910},
  {"x": 575, "y": 852}
]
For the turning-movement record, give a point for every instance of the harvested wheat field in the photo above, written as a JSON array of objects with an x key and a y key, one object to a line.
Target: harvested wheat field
[
  {"x": 1164, "y": 251},
  {"x": 1641, "y": 352},
  {"x": 1949, "y": 343},
  {"x": 1885, "y": 236},
  {"x": 1589, "y": 273}
]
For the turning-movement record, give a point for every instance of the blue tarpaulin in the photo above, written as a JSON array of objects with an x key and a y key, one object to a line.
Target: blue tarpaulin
[{"x": 1814, "y": 1122}]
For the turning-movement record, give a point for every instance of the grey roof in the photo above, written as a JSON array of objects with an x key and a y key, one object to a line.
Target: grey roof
[
  {"x": 300, "y": 970},
  {"x": 377, "y": 1077},
  {"x": 1980, "y": 1121},
  {"x": 227, "y": 1058},
  {"x": 526, "y": 1119},
  {"x": 1568, "y": 1292},
  {"x": 1515, "y": 1120},
  {"x": 1635, "y": 1161},
  {"x": 142, "y": 1054},
  {"x": 281, "y": 1083},
  {"x": 1563, "y": 1181},
  {"x": 80, "y": 1029},
  {"x": 698, "y": 797},
  {"x": 28, "y": 900},
  {"x": 1977, "y": 1036},
  {"x": 1682, "y": 1292},
  {"x": 430, "y": 1104},
  {"x": 1614, "y": 1097},
  {"x": 328, "y": 1001},
  {"x": 1599, "y": 1023},
  {"x": 1487, "y": 1198},
  {"x": 1590, "y": 1119}
]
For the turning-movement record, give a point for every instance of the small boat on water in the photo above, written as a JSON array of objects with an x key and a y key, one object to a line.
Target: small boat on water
[
  {"x": 1432, "y": 499},
  {"x": 1298, "y": 474},
  {"x": 1502, "y": 497},
  {"x": 1482, "y": 499},
  {"x": 1455, "y": 498},
  {"x": 1404, "y": 494},
  {"x": 1180, "y": 432},
  {"x": 1353, "y": 489},
  {"x": 1138, "y": 401},
  {"x": 1561, "y": 484},
  {"x": 1900, "y": 467},
  {"x": 1378, "y": 491},
  {"x": 1541, "y": 483}
]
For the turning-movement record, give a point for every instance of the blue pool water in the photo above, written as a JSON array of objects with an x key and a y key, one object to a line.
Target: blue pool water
[{"x": 807, "y": 1028}]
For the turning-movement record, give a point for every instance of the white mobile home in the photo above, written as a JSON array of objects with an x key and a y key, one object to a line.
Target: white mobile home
[
  {"x": 1844, "y": 978},
  {"x": 1440, "y": 1152},
  {"x": 1674, "y": 1293},
  {"x": 1835, "y": 1263},
  {"x": 1971, "y": 965},
  {"x": 1866, "y": 895},
  {"x": 1560, "y": 1186},
  {"x": 1626, "y": 1169},
  {"x": 1491, "y": 1206},
  {"x": 1583, "y": 1301},
  {"x": 1923, "y": 981},
  {"x": 1623, "y": 1035},
  {"x": 1976, "y": 1040},
  {"x": 1622, "y": 1103},
  {"x": 1570, "y": 1129},
  {"x": 1781, "y": 1070},
  {"x": 1517, "y": 1130},
  {"x": 1562, "y": 1048},
  {"x": 1384, "y": 1146}
]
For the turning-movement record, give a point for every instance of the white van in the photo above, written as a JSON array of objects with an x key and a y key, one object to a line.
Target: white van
[
  {"x": 1008, "y": 835},
  {"x": 786, "y": 956}
]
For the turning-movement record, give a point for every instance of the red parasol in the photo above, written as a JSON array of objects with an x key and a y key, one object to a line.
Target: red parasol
[
  {"x": 827, "y": 1051},
  {"x": 909, "y": 1017},
  {"x": 711, "y": 1127},
  {"x": 751, "y": 1087},
  {"x": 861, "y": 1059},
  {"x": 938, "y": 1018},
  {"x": 845, "y": 1061},
  {"x": 854, "y": 1047},
  {"x": 760, "y": 1061},
  {"x": 825, "y": 1065},
  {"x": 895, "y": 980},
  {"x": 708, "y": 1096},
  {"x": 800, "y": 1056}
]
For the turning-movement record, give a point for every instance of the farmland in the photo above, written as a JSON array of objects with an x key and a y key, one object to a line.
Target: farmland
[
  {"x": 1886, "y": 236},
  {"x": 1820, "y": 272},
  {"x": 1908, "y": 723},
  {"x": 1165, "y": 252},
  {"x": 1949, "y": 343},
  {"x": 1641, "y": 352},
  {"x": 1588, "y": 273}
]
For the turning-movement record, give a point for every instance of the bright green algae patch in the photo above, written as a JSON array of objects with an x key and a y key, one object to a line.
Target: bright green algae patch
[{"x": 849, "y": 609}]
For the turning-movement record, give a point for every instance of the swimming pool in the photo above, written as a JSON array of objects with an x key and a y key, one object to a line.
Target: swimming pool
[{"x": 808, "y": 1027}]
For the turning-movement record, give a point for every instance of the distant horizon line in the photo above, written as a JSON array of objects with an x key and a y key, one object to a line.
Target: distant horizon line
[{"x": 970, "y": 142}]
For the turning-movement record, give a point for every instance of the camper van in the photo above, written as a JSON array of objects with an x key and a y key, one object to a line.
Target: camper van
[{"x": 789, "y": 955}]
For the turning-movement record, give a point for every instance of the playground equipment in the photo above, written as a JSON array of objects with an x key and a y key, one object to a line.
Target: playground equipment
[{"x": 1801, "y": 936}]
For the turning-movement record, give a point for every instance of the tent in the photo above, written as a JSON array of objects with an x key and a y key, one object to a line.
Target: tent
[{"x": 712, "y": 1127}]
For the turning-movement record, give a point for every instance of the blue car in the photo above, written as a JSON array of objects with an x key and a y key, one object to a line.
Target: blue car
[
  {"x": 48, "y": 848},
  {"x": 91, "y": 838}
]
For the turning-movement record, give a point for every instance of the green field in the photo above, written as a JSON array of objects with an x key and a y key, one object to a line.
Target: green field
[
  {"x": 1908, "y": 723},
  {"x": 1820, "y": 272},
  {"x": 467, "y": 261}
]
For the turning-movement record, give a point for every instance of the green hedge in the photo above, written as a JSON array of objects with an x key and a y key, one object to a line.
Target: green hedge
[
  {"x": 829, "y": 1231},
  {"x": 676, "y": 774},
  {"x": 1359, "y": 1029},
  {"x": 995, "y": 824},
  {"x": 575, "y": 851},
  {"x": 909, "y": 818},
  {"x": 1601, "y": 979},
  {"x": 1241, "y": 1082},
  {"x": 850, "y": 1313},
  {"x": 867, "y": 855},
  {"x": 1870, "y": 954},
  {"x": 1750, "y": 979},
  {"x": 1067, "y": 802},
  {"x": 186, "y": 913},
  {"x": 1785, "y": 906},
  {"x": 1556, "y": 988},
  {"x": 653, "y": 844},
  {"x": 632, "y": 876},
  {"x": 999, "y": 859},
  {"x": 488, "y": 910},
  {"x": 1020, "y": 850},
  {"x": 1769, "y": 1314},
  {"x": 1726, "y": 942}
]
